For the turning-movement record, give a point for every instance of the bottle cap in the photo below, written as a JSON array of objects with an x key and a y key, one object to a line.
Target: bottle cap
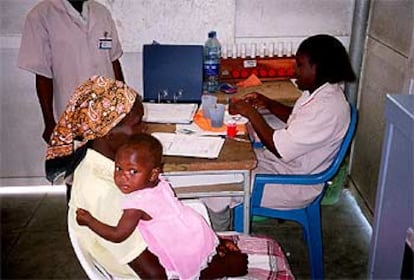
[{"x": 212, "y": 34}]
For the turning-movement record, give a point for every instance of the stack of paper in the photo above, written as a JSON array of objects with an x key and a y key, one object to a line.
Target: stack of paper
[
  {"x": 189, "y": 145},
  {"x": 169, "y": 112}
]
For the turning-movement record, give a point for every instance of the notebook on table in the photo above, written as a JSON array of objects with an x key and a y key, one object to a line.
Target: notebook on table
[{"x": 189, "y": 145}]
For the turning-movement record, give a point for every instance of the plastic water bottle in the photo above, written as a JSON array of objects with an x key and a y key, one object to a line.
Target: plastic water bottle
[{"x": 211, "y": 63}]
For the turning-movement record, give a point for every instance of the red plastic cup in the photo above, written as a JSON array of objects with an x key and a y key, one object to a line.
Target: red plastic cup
[{"x": 231, "y": 129}]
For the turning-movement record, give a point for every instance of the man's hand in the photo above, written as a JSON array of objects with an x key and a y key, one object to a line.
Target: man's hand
[
  {"x": 44, "y": 89},
  {"x": 47, "y": 133},
  {"x": 83, "y": 217}
]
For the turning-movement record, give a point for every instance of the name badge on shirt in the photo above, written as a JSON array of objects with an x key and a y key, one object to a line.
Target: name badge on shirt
[{"x": 105, "y": 43}]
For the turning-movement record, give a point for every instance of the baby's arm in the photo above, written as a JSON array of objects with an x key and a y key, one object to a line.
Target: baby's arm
[{"x": 126, "y": 225}]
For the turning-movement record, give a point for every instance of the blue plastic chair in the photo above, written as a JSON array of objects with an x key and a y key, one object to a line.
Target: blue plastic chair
[{"x": 309, "y": 217}]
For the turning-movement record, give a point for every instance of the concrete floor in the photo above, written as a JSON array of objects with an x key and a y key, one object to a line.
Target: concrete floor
[{"x": 35, "y": 244}]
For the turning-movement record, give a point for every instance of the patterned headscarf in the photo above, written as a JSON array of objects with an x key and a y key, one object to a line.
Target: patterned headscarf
[{"x": 96, "y": 106}]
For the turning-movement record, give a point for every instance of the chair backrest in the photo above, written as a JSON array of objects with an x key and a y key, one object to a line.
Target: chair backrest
[
  {"x": 323, "y": 176},
  {"x": 329, "y": 173},
  {"x": 336, "y": 164}
]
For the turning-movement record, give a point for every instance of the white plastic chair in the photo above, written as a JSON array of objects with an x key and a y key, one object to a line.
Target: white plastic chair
[{"x": 93, "y": 269}]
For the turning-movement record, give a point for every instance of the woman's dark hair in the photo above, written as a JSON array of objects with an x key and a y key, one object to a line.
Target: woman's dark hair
[{"x": 330, "y": 57}]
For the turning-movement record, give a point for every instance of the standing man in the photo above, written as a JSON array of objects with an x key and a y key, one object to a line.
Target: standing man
[{"x": 64, "y": 43}]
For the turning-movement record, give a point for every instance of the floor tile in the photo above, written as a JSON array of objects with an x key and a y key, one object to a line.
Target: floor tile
[
  {"x": 41, "y": 255},
  {"x": 17, "y": 211},
  {"x": 51, "y": 214},
  {"x": 35, "y": 244},
  {"x": 7, "y": 243},
  {"x": 345, "y": 236}
]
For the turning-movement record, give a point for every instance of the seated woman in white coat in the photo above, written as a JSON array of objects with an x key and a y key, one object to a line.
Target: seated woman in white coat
[{"x": 315, "y": 126}]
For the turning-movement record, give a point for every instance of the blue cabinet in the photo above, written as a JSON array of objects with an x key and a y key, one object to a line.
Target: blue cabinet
[{"x": 394, "y": 207}]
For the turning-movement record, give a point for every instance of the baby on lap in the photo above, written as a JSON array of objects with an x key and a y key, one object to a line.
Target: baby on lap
[{"x": 180, "y": 237}]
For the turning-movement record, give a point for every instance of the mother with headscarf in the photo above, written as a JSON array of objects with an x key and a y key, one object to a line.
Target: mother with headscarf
[
  {"x": 100, "y": 116},
  {"x": 98, "y": 119}
]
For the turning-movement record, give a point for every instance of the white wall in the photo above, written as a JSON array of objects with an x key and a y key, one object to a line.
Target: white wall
[{"x": 139, "y": 22}]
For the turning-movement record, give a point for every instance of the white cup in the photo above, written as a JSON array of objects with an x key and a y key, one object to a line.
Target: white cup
[
  {"x": 207, "y": 101},
  {"x": 217, "y": 115}
]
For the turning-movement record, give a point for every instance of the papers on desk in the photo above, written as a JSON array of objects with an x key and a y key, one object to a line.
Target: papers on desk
[
  {"x": 169, "y": 112},
  {"x": 195, "y": 130},
  {"x": 190, "y": 145}
]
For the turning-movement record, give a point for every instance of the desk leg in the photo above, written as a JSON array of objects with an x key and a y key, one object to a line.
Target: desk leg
[{"x": 246, "y": 202}]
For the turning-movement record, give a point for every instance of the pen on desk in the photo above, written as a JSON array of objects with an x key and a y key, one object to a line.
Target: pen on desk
[{"x": 239, "y": 139}]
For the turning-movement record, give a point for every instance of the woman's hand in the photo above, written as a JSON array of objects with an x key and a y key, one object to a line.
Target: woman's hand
[
  {"x": 83, "y": 217},
  {"x": 248, "y": 104},
  {"x": 241, "y": 106},
  {"x": 257, "y": 100}
]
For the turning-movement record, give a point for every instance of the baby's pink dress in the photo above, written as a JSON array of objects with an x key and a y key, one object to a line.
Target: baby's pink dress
[{"x": 177, "y": 234}]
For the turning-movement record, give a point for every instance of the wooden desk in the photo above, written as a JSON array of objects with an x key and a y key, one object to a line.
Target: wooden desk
[
  {"x": 235, "y": 158},
  {"x": 283, "y": 91}
]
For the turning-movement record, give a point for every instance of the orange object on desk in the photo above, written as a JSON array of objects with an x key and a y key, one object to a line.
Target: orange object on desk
[
  {"x": 205, "y": 124},
  {"x": 252, "y": 80}
]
